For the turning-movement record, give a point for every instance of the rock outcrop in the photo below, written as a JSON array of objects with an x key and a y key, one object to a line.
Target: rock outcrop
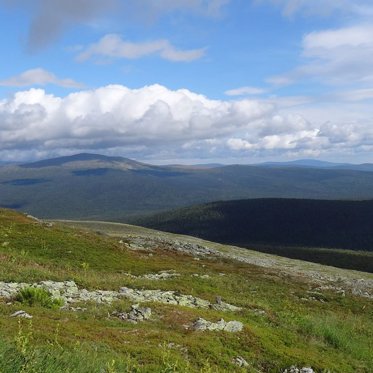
[
  {"x": 221, "y": 325},
  {"x": 69, "y": 292},
  {"x": 174, "y": 297},
  {"x": 137, "y": 314}
]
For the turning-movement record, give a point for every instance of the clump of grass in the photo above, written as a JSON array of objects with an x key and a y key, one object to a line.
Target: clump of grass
[{"x": 33, "y": 296}]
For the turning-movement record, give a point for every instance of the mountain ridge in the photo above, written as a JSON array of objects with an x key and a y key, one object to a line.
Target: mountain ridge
[{"x": 97, "y": 187}]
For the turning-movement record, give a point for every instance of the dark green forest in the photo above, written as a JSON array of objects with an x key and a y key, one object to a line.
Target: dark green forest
[{"x": 337, "y": 233}]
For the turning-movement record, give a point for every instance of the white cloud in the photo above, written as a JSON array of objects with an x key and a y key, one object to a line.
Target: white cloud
[
  {"x": 245, "y": 91},
  {"x": 337, "y": 56},
  {"x": 113, "y": 46},
  {"x": 323, "y": 7},
  {"x": 157, "y": 122},
  {"x": 40, "y": 77},
  {"x": 117, "y": 116}
]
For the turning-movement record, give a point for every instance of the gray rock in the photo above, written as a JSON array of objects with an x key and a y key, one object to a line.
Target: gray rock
[
  {"x": 221, "y": 325},
  {"x": 164, "y": 275},
  {"x": 172, "y": 297},
  {"x": 294, "y": 369},
  {"x": 21, "y": 314},
  {"x": 240, "y": 362},
  {"x": 69, "y": 292},
  {"x": 233, "y": 326},
  {"x": 137, "y": 314},
  {"x": 223, "y": 306}
]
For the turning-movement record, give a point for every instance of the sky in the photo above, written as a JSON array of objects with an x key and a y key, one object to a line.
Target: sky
[{"x": 187, "y": 81}]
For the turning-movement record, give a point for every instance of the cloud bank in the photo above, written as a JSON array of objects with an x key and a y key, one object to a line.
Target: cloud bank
[
  {"x": 38, "y": 76},
  {"x": 157, "y": 122}
]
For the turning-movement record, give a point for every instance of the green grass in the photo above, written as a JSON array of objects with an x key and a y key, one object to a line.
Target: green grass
[
  {"x": 333, "y": 334},
  {"x": 37, "y": 296}
]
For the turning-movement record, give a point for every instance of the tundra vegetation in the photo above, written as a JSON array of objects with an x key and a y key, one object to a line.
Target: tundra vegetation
[{"x": 288, "y": 319}]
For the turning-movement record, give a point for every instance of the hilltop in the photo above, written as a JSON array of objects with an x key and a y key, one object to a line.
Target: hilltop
[{"x": 138, "y": 300}]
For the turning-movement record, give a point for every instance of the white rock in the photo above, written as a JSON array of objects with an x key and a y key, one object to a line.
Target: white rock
[{"x": 21, "y": 314}]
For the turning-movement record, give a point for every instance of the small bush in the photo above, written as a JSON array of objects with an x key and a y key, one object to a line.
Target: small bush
[{"x": 38, "y": 296}]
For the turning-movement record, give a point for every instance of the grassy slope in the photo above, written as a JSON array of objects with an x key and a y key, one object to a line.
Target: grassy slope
[
  {"x": 289, "y": 227},
  {"x": 334, "y": 334}
]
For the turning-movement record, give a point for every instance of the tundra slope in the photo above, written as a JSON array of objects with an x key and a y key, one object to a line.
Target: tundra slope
[
  {"x": 358, "y": 283},
  {"x": 216, "y": 312}
]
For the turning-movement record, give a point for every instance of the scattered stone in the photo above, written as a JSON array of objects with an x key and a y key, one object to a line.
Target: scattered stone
[
  {"x": 137, "y": 314},
  {"x": 294, "y": 369},
  {"x": 69, "y": 292},
  {"x": 164, "y": 275},
  {"x": 200, "y": 276},
  {"x": 151, "y": 243},
  {"x": 334, "y": 289},
  {"x": 258, "y": 311},
  {"x": 240, "y": 362},
  {"x": 76, "y": 309},
  {"x": 223, "y": 306},
  {"x": 168, "y": 297},
  {"x": 173, "y": 297},
  {"x": 175, "y": 346},
  {"x": 21, "y": 314},
  {"x": 221, "y": 325}
]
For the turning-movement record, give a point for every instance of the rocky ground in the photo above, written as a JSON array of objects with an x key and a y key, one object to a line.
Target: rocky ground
[{"x": 339, "y": 281}]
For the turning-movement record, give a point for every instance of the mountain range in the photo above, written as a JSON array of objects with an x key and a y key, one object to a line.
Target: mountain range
[{"x": 90, "y": 186}]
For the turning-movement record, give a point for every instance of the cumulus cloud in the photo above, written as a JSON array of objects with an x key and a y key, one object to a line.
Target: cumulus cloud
[
  {"x": 40, "y": 77},
  {"x": 117, "y": 116},
  {"x": 245, "y": 91},
  {"x": 113, "y": 46},
  {"x": 338, "y": 56},
  {"x": 154, "y": 121}
]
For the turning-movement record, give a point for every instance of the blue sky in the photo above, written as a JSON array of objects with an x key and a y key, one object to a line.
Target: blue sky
[{"x": 187, "y": 80}]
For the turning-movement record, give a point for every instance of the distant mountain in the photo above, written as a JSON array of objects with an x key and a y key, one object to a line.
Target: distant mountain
[
  {"x": 313, "y": 163},
  {"x": 279, "y": 226},
  {"x": 85, "y": 159},
  {"x": 90, "y": 186},
  {"x": 301, "y": 163}
]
